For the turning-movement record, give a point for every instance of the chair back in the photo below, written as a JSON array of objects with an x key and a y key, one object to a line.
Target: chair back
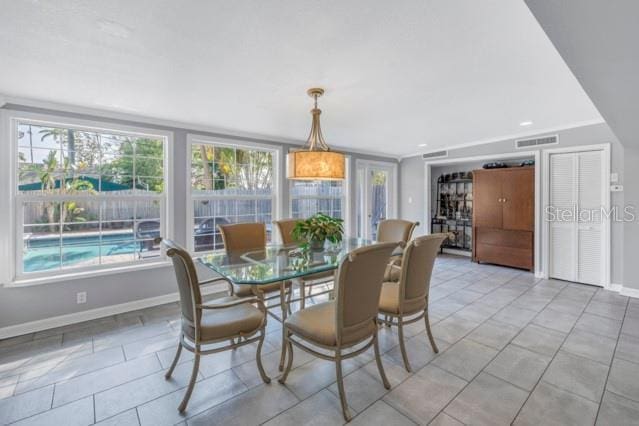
[
  {"x": 285, "y": 226},
  {"x": 187, "y": 280},
  {"x": 243, "y": 236},
  {"x": 395, "y": 230},
  {"x": 417, "y": 267},
  {"x": 358, "y": 286}
]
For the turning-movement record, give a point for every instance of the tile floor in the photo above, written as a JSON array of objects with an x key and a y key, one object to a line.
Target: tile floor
[{"x": 513, "y": 349}]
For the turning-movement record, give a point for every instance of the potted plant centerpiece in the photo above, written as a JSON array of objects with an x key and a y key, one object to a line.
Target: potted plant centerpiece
[{"x": 315, "y": 230}]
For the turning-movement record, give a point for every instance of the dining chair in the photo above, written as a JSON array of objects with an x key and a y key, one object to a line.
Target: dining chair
[
  {"x": 285, "y": 227},
  {"x": 406, "y": 301},
  {"x": 243, "y": 237},
  {"x": 395, "y": 230},
  {"x": 341, "y": 325},
  {"x": 231, "y": 319}
]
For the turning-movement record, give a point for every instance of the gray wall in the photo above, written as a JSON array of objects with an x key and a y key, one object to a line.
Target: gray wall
[
  {"x": 412, "y": 170},
  {"x": 630, "y": 260},
  {"x": 598, "y": 41},
  {"x": 23, "y": 304}
]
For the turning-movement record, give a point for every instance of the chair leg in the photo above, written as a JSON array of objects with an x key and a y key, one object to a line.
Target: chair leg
[
  {"x": 175, "y": 361},
  {"x": 430, "y": 333},
  {"x": 284, "y": 307},
  {"x": 402, "y": 347},
  {"x": 258, "y": 357},
  {"x": 380, "y": 366},
  {"x": 287, "y": 346},
  {"x": 189, "y": 389},
  {"x": 340, "y": 386}
]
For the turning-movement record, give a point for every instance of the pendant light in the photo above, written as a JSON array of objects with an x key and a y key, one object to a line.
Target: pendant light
[{"x": 316, "y": 161}]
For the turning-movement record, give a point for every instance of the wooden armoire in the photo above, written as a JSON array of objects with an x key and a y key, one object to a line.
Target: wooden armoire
[{"x": 504, "y": 216}]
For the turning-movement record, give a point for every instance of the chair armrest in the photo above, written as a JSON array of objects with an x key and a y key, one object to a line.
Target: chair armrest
[{"x": 231, "y": 304}]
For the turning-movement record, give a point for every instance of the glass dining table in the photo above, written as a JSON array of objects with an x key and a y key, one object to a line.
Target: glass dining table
[{"x": 279, "y": 264}]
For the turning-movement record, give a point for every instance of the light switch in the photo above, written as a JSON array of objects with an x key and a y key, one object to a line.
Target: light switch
[
  {"x": 410, "y": 200},
  {"x": 614, "y": 177}
]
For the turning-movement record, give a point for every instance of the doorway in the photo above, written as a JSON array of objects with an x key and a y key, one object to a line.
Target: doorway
[
  {"x": 577, "y": 204},
  {"x": 376, "y": 195}
]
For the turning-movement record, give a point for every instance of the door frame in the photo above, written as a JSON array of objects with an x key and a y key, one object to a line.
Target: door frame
[
  {"x": 538, "y": 258},
  {"x": 393, "y": 184},
  {"x": 605, "y": 188}
]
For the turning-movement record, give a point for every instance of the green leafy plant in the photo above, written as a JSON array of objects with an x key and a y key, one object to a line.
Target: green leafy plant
[{"x": 318, "y": 228}]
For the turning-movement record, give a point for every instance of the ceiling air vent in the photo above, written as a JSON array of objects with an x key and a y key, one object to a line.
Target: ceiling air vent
[
  {"x": 543, "y": 140},
  {"x": 435, "y": 154}
]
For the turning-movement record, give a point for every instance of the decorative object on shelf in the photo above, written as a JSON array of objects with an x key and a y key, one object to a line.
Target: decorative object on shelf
[
  {"x": 495, "y": 165},
  {"x": 529, "y": 162},
  {"x": 316, "y": 161},
  {"x": 314, "y": 231},
  {"x": 454, "y": 209}
]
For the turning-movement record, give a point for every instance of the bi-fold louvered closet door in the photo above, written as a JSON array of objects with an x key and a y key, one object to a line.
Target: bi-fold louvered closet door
[{"x": 575, "y": 214}]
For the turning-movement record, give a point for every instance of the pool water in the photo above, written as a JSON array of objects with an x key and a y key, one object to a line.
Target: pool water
[{"x": 41, "y": 254}]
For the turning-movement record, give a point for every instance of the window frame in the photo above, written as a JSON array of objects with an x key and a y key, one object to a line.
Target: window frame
[
  {"x": 12, "y": 217},
  {"x": 276, "y": 197},
  {"x": 346, "y": 213}
]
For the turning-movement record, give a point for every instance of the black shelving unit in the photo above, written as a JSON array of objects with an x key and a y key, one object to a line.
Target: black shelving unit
[{"x": 454, "y": 211}]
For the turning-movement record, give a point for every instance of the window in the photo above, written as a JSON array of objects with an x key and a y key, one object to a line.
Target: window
[
  {"x": 230, "y": 184},
  {"x": 310, "y": 197},
  {"x": 86, "y": 198}
]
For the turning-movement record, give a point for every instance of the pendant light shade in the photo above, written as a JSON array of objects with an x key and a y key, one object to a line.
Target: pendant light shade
[{"x": 316, "y": 161}]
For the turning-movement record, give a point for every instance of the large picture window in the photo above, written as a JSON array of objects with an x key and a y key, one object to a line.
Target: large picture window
[
  {"x": 310, "y": 197},
  {"x": 230, "y": 184},
  {"x": 86, "y": 197}
]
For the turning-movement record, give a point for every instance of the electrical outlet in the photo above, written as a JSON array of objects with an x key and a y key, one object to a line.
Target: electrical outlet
[{"x": 81, "y": 297}]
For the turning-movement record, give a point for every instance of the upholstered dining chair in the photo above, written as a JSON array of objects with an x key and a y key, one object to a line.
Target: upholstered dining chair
[
  {"x": 346, "y": 326},
  {"x": 406, "y": 301},
  {"x": 231, "y": 319},
  {"x": 285, "y": 227},
  {"x": 395, "y": 230},
  {"x": 241, "y": 237}
]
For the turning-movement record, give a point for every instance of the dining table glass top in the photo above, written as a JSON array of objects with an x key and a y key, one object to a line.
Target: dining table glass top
[{"x": 279, "y": 262}]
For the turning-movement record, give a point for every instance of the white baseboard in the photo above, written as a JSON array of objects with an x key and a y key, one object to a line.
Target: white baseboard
[
  {"x": 630, "y": 292},
  {"x": 624, "y": 291},
  {"x": 615, "y": 287},
  {"x": 91, "y": 314}
]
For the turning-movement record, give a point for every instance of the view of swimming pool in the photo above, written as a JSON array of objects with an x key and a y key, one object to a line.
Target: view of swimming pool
[{"x": 45, "y": 253}]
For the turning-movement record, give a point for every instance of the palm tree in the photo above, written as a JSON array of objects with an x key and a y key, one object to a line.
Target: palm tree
[{"x": 58, "y": 135}]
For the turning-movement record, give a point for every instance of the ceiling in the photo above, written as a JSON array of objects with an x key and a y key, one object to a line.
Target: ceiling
[
  {"x": 598, "y": 40},
  {"x": 397, "y": 74}
]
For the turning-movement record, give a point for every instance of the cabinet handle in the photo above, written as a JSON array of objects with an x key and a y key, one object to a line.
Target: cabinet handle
[
  {"x": 500, "y": 200},
  {"x": 504, "y": 200}
]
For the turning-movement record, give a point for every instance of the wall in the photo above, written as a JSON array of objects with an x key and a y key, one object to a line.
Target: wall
[
  {"x": 631, "y": 229},
  {"x": 412, "y": 169},
  {"x": 24, "y": 304}
]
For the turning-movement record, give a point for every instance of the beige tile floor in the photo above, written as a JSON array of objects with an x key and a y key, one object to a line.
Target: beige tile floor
[{"x": 513, "y": 349}]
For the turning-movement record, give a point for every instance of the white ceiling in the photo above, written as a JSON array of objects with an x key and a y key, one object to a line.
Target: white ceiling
[{"x": 397, "y": 74}]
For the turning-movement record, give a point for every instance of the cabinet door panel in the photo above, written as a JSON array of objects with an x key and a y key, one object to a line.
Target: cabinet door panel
[
  {"x": 487, "y": 209},
  {"x": 518, "y": 194}
]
